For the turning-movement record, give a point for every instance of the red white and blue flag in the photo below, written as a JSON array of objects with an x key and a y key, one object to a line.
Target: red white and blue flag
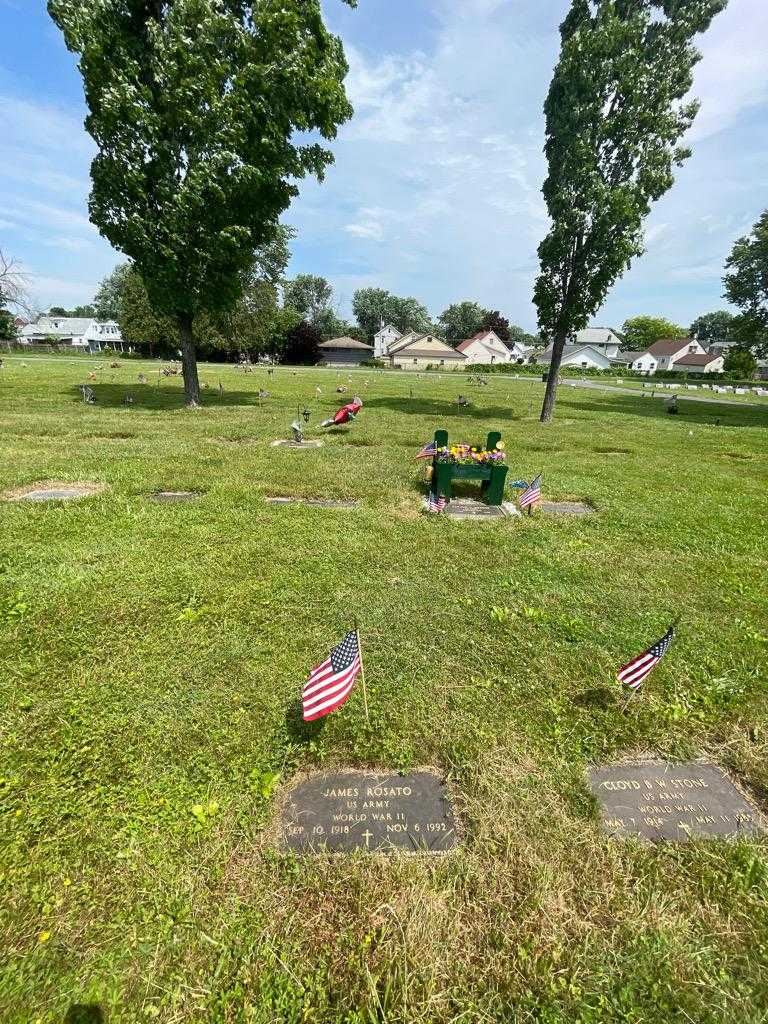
[
  {"x": 634, "y": 673},
  {"x": 436, "y": 502},
  {"x": 428, "y": 451},
  {"x": 330, "y": 684},
  {"x": 532, "y": 493}
]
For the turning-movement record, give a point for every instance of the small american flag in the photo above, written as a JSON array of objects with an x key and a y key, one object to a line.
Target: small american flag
[
  {"x": 436, "y": 502},
  {"x": 428, "y": 451},
  {"x": 634, "y": 673},
  {"x": 532, "y": 494},
  {"x": 330, "y": 684}
]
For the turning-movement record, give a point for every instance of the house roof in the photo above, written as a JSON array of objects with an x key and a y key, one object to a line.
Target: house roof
[
  {"x": 571, "y": 350},
  {"x": 696, "y": 359},
  {"x": 74, "y": 326},
  {"x": 449, "y": 353},
  {"x": 345, "y": 343},
  {"x": 480, "y": 336},
  {"x": 597, "y": 336},
  {"x": 438, "y": 348},
  {"x": 405, "y": 339},
  {"x": 388, "y": 327},
  {"x": 628, "y": 357},
  {"x": 669, "y": 346}
]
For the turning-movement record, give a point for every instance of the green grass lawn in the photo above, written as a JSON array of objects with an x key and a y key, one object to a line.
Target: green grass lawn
[{"x": 152, "y": 657}]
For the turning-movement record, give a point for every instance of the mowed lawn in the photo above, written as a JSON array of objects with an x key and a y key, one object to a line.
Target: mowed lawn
[{"x": 151, "y": 662}]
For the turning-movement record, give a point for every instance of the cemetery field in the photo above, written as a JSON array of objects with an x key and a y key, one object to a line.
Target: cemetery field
[{"x": 151, "y": 662}]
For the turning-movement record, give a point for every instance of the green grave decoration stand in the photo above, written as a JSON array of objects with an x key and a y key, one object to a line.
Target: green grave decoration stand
[{"x": 492, "y": 476}]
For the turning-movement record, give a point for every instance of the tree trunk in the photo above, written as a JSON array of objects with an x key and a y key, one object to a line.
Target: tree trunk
[
  {"x": 188, "y": 361},
  {"x": 550, "y": 394}
]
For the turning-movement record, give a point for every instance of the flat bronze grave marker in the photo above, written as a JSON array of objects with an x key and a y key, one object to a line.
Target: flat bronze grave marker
[
  {"x": 674, "y": 802},
  {"x": 313, "y": 502},
  {"x": 172, "y": 497},
  {"x": 470, "y": 508},
  {"x": 565, "y": 508},
  {"x": 55, "y": 492},
  {"x": 344, "y": 811},
  {"x": 297, "y": 445}
]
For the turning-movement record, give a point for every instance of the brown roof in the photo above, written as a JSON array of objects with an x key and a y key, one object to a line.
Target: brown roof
[
  {"x": 696, "y": 359},
  {"x": 345, "y": 343},
  {"x": 669, "y": 346},
  {"x": 451, "y": 354}
]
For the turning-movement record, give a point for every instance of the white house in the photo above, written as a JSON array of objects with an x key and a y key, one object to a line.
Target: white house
[
  {"x": 486, "y": 347},
  {"x": 642, "y": 362},
  {"x": 583, "y": 356},
  {"x": 78, "y": 332},
  {"x": 601, "y": 338},
  {"x": 382, "y": 340},
  {"x": 668, "y": 352}
]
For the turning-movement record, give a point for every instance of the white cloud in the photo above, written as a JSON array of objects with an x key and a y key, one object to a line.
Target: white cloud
[{"x": 367, "y": 229}]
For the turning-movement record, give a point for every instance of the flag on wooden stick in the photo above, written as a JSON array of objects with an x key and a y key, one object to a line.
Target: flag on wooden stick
[
  {"x": 634, "y": 673},
  {"x": 330, "y": 683},
  {"x": 436, "y": 502},
  {"x": 532, "y": 494}
]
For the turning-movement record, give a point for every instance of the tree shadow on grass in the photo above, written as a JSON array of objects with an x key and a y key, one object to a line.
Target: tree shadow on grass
[
  {"x": 690, "y": 411},
  {"x": 442, "y": 409},
  {"x": 84, "y": 1013},
  {"x": 150, "y": 396}
]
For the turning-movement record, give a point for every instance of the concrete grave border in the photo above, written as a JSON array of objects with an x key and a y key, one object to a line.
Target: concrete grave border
[{"x": 85, "y": 489}]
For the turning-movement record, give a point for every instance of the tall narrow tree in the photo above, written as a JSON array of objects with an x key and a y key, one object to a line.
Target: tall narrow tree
[
  {"x": 614, "y": 119},
  {"x": 197, "y": 108}
]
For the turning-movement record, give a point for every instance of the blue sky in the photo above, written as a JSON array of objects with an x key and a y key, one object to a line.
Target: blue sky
[{"x": 435, "y": 189}]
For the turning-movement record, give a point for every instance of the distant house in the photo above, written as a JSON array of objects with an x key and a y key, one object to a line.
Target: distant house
[
  {"x": 695, "y": 362},
  {"x": 583, "y": 356},
  {"x": 641, "y": 362},
  {"x": 344, "y": 352},
  {"x": 421, "y": 350},
  {"x": 487, "y": 347},
  {"x": 382, "y": 340},
  {"x": 603, "y": 339},
  {"x": 77, "y": 332},
  {"x": 668, "y": 351},
  {"x": 762, "y": 369}
]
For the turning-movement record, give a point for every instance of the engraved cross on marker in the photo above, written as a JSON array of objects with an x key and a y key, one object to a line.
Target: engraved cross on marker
[{"x": 367, "y": 836}]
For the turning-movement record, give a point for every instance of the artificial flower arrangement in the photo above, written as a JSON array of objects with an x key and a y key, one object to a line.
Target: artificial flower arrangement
[{"x": 466, "y": 455}]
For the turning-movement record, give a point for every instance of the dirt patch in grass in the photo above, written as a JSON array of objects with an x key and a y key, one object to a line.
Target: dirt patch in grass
[
  {"x": 740, "y": 456},
  {"x": 117, "y": 436},
  {"x": 613, "y": 451}
]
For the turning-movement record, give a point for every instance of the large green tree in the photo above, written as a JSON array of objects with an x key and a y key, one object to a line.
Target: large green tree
[
  {"x": 310, "y": 295},
  {"x": 640, "y": 332},
  {"x": 614, "y": 121},
  {"x": 711, "y": 327},
  {"x": 201, "y": 111},
  {"x": 374, "y": 306},
  {"x": 461, "y": 320},
  {"x": 740, "y": 361},
  {"x": 746, "y": 285}
]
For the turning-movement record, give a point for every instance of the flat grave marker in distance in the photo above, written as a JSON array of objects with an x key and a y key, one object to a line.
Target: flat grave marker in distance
[
  {"x": 173, "y": 497},
  {"x": 676, "y": 802},
  {"x": 339, "y": 812},
  {"x": 565, "y": 508},
  {"x": 314, "y": 502},
  {"x": 297, "y": 445}
]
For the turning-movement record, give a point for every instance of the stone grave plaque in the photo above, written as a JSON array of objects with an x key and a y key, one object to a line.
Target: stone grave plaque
[
  {"x": 171, "y": 497},
  {"x": 565, "y": 508},
  {"x": 57, "y": 494},
  {"x": 469, "y": 508},
  {"x": 297, "y": 445},
  {"x": 676, "y": 802},
  {"x": 313, "y": 502},
  {"x": 344, "y": 811}
]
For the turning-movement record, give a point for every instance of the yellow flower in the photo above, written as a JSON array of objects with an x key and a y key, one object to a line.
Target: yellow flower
[
  {"x": 43, "y": 937},
  {"x": 500, "y": 446},
  {"x": 67, "y": 882}
]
